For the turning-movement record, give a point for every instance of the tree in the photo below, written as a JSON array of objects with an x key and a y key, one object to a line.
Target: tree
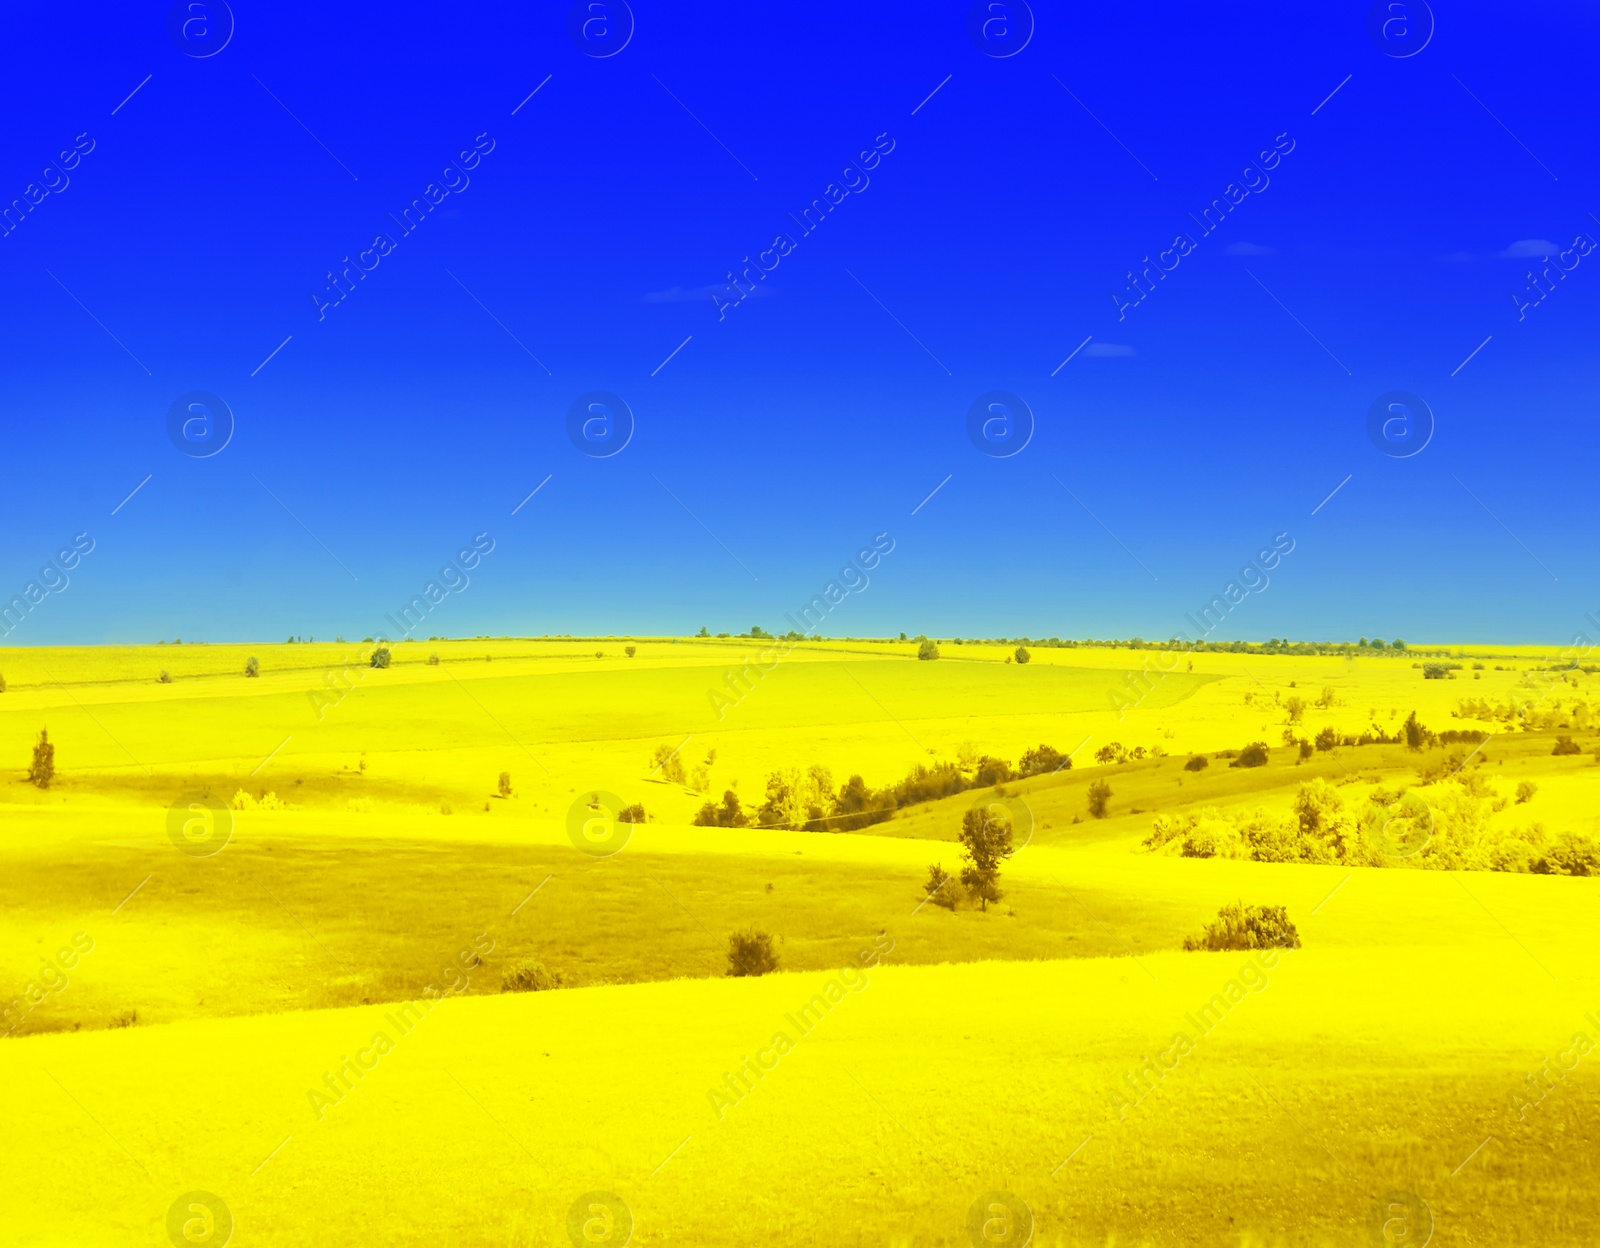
[
  {"x": 505, "y": 784},
  {"x": 1022, "y": 654},
  {"x": 1295, "y": 708},
  {"x": 1045, "y": 759},
  {"x": 381, "y": 657},
  {"x": 43, "y": 770},
  {"x": 1099, "y": 796},
  {"x": 985, "y": 844},
  {"x": 1525, "y": 791},
  {"x": 704, "y": 632},
  {"x": 1114, "y": 752},
  {"x": 927, "y": 650},
  {"x": 252, "y": 666},
  {"x": 630, "y": 651},
  {"x": 937, "y": 886},
  {"x": 1253, "y": 755}
]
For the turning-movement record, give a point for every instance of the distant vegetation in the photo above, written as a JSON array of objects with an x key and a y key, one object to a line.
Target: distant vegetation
[
  {"x": 1247, "y": 927},
  {"x": 43, "y": 770},
  {"x": 750, "y": 952}
]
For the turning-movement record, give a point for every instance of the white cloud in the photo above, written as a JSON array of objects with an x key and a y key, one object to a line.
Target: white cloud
[
  {"x": 1108, "y": 349},
  {"x": 1526, "y": 248},
  {"x": 1248, "y": 249}
]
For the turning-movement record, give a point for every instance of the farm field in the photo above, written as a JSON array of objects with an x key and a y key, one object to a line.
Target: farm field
[{"x": 1424, "y": 1053}]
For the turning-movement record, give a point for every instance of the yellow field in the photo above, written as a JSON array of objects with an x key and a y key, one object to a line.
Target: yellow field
[{"x": 302, "y": 1019}]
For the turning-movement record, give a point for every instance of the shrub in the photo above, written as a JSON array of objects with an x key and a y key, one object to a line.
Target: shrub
[
  {"x": 1247, "y": 927},
  {"x": 927, "y": 650},
  {"x": 1099, "y": 796},
  {"x": 1115, "y": 752},
  {"x": 630, "y": 651},
  {"x": 433, "y": 660},
  {"x": 1294, "y": 708},
  {"x": 1043, "y": 760},
  {"x": 43, "y": 770},
  {"x": 380, "y": 657},
  {"x": 599, "y": 654},
  {"x": 1305, "y": 750},
  {"x": 1196, "y": 762},
  {"x": 2, "y": 684},
  {"x": 1253, "y": 755},
  {"x": 530, "y": 977},
  {"x": 729, "y": 815},
  {"x": 939, "y": 887},
  {"x": 252, "y": 666},
  {"x": 750, "y": 952},
  {"x": 505, "y": 784},
  {"x": 1525, "y": 791},
  {"x": 1327, "y": 739},
  {"x": 666, "y": 762},
  {"x": 1572, "y": 854},
  {"x": 1022, "y": 655},
  {"x": 165, "y": 678},
  {"x": 1566, "y": 745},
  {"x": 632, "y": 814}
]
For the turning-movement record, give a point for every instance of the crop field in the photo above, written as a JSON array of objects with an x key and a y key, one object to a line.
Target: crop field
[{"x": 444, "y": 952}]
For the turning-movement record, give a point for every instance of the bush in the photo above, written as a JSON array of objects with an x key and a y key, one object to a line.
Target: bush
[
  {"x": 927, "y": 650},
  {"x": 530, "y": 977},
  {"x": 1022, "y": 655},
  {"x": 433, "y": 660},
  {"x": 1253, "y": 755},
  {"x": 1525, "y": 791},
  {"x": 252, "y": 666},
  {"x": 729, "y": 815},
  {"x": 165, "y": 678},
  {"x": 505, "y": 784},
  {"x": 1246, "y": 927},
  {"x": 750, "y": 952},
  {"x": 1327, "y": 739},
  {"x": 940, "y": 887},
  {"x": 1196, "y": 762},
  {"x": 380, "y": 657},
  {"x": 630, "y": 651},
  {"x": 1042, "y": 761},
  {"x": 43, "y": 770},
  {"x": 1099, "y": 796},
  {"x": 2, "y": 684},
  {"x": 1572, "y": 854},
  {"x": 1566, "y": 745},
  {"x": 666, "y": 762},
  {"x": 632, "y": 814}
]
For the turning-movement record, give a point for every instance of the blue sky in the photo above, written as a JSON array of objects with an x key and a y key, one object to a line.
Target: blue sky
[{"x": 611, "y": 194}]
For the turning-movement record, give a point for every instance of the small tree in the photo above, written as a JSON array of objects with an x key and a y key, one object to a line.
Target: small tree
[
  {"x": 750, "y": 952},
  {"x": 1525, "y": 791},
  {"x": 165, "y": 678},
  {"x": 630, "y": 651},
  {"x": 1294, "y": 708},
  {"x": 1253, "y": 755},
  {"x": 381, "y": 657},
  {"x": 927, "y": 650},
  {"x": 2, "y": 684},
  {"x": 252, "y": 666},
  {"x": 505, "y": 784},
  {"x": 937, "y": 886},
  {"x": 985, "y": 844},
  {"x": 43, "y": 770},
  {"x": 1099, "y": 796},
  {"x": 1022, "y": 654},
  {"x": 668, "y": 764}
]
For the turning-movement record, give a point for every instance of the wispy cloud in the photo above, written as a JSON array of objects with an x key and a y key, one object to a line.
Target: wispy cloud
[
  {"x": 1248, "y": 249},
  {"x": 1526, "y": 248},
  {"x": 1109, "y": 349},
  {"x": 697, "y": 294}
]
